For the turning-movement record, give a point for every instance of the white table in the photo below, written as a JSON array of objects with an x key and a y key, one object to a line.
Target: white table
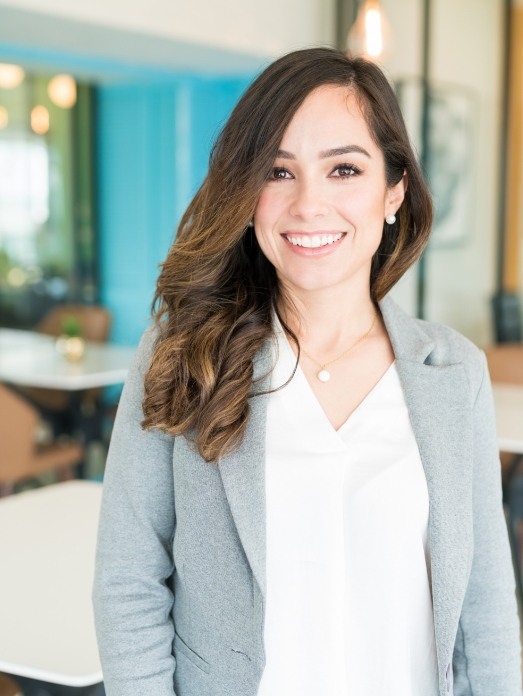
[
  {"x": 30, "y": 359},
  {"x": 508, "y": 403},
  {"x": 47, "y": 547}
]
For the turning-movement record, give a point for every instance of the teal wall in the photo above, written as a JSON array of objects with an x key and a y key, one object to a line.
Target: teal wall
[
  {"x": 153, "y": 147},
  {"x": 154, "y": 131}
]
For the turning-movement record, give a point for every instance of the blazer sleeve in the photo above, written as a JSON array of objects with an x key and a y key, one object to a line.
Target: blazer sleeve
[
  {"x": 132, "y": 595},
  {"x": 487, "y": 652}
]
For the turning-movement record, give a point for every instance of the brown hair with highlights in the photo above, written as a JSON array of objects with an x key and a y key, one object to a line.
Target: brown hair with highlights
[{"x": 216, "y": 291}]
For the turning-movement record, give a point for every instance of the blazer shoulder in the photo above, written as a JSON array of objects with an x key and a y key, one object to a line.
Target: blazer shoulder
[
  {"x": 149, "y": 338},
  {"x": 449, "y": 344},
  {"x": 143, "y": 354},
  {"x": 418, "y": 340},
  {"x": 451, "y": 347}
]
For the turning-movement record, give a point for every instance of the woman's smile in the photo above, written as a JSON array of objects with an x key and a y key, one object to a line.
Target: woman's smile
[{"x": 314, "y": 243}]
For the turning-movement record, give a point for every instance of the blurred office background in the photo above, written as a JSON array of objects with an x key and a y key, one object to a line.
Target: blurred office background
[
  {"x": 90, "y": 194},
  {"x": 108, "y": 112}
]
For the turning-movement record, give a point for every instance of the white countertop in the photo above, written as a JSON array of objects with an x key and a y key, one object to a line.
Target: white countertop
[
  {"x": 31, "y": 359},
  {"x": 47, "y": 548}
]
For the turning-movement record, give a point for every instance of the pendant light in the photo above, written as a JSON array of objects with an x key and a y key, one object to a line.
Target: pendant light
[{"x": 369, "y": 35}]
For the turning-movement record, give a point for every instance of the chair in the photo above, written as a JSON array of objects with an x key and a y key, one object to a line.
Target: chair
[
  {"x": 505, "y": 363},
  {"x": 506, "y": 310},
  {"x": 94, "y": 324},
  {"x": 8, "y": 687},
  {"x": 21, "y": 457}
]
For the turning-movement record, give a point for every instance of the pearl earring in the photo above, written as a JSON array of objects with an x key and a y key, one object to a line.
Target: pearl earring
[
  {"x": 250, "y": 223},
  {"x": 390, "y": 219}
]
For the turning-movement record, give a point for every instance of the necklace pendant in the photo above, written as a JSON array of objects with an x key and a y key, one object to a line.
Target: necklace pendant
[{"x": 323, "y": 375}]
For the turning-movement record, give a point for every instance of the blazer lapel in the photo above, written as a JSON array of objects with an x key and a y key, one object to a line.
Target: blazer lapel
[
  {"x": 438, "y": 399},
  {"x": 243, "y": 475}
]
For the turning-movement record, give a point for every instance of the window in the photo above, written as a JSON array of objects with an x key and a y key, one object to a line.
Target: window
[{"x": 47, "y": 237}]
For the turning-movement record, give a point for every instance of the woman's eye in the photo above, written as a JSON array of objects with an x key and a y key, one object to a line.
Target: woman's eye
[
  {"x": 279, "y": 173},
  {"x": 346, "y": 170}
]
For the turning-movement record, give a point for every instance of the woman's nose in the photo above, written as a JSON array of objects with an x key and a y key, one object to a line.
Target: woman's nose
[{"x": 308, "y": 201}]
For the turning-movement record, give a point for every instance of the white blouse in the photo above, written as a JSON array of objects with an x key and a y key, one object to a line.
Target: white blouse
[{"x": 349, "y": 607}]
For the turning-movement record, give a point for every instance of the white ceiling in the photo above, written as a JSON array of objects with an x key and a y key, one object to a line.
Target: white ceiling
[{"x": 100, "y": 52}]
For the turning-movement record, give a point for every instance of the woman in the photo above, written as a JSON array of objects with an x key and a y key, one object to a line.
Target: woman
[{"x": 267, "y": 530}]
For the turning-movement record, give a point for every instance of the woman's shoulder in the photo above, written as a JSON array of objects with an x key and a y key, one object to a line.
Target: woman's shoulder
[
  {"x": 433, "y": 343},
  {"x": 450, "y": 344},
  {"x": 144, "y": 352},
  {"x": 451, "y": 348},
  {"x": 148, "y": 339}
]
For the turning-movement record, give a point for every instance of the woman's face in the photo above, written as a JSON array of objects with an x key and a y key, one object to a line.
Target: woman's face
[{"x": 320, "y": 215}]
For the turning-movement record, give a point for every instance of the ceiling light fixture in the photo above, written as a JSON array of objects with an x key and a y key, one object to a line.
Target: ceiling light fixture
[
  {"x": 62, "y": 91},
  {"x": 40, "y": 120},
  {"x": 368, "y": 35},
  {"x": 10, "y": 76}
]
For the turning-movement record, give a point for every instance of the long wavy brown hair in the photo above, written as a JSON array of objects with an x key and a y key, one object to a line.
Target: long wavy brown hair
[{"x": 216, "y": 291}]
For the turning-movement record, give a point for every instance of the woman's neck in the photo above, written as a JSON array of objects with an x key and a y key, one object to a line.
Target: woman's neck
[{"x": 327, "y": 320}]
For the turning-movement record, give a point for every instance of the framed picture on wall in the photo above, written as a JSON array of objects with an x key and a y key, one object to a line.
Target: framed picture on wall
[{"x": 450, "y": 156}]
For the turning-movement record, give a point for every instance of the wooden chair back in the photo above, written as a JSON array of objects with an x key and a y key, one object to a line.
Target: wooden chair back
[
  {"x": 18, "y": 429},
  {"x": 94, "y": 321},
  {"x": 8, "y": 687},
  {"x": 21, "y": 456},
  {"x": 505, "y": 363}
]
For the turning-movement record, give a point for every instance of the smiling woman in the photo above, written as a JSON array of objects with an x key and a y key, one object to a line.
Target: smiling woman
[
  {"x": 245, "y": 171},
  {"x": 302, "y": 493},
  {"x": 319, "y": 221}
]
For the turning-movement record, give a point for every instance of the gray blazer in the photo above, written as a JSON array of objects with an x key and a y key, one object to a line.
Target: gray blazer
[{"x": 180, "y": 574}]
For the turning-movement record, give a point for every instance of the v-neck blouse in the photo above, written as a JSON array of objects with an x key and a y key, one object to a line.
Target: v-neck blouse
[{"x": 349, "y": 607}]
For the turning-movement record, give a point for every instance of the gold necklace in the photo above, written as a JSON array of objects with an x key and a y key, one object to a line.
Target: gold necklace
[{"x": 324, "y": 375}]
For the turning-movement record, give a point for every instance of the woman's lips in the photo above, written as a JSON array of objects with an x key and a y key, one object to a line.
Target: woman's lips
[{"x": 315, "y": 243}]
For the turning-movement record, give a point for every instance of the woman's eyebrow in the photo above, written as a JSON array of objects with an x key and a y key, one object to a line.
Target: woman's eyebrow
[
  {"x": 332, "y": 152},
  {"x": 345, "y": 150},
  {"x": 285, "y": 155}
]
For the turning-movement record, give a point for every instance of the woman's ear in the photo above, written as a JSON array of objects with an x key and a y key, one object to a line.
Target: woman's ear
[
  {"x": 396, "y": 194},
  {"x": 405, "y": 181}
]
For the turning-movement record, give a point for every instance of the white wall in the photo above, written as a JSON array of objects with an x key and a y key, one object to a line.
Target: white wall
[
  {"x": 218, "y": 34},
  {"x": 466, "y": 53}
]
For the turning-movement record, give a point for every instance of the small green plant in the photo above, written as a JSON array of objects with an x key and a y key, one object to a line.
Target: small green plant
[{"x": 71, "y": 326}]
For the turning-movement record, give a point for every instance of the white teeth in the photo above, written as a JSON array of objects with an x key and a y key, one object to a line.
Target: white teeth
[{"x": 315, "y": 241}]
